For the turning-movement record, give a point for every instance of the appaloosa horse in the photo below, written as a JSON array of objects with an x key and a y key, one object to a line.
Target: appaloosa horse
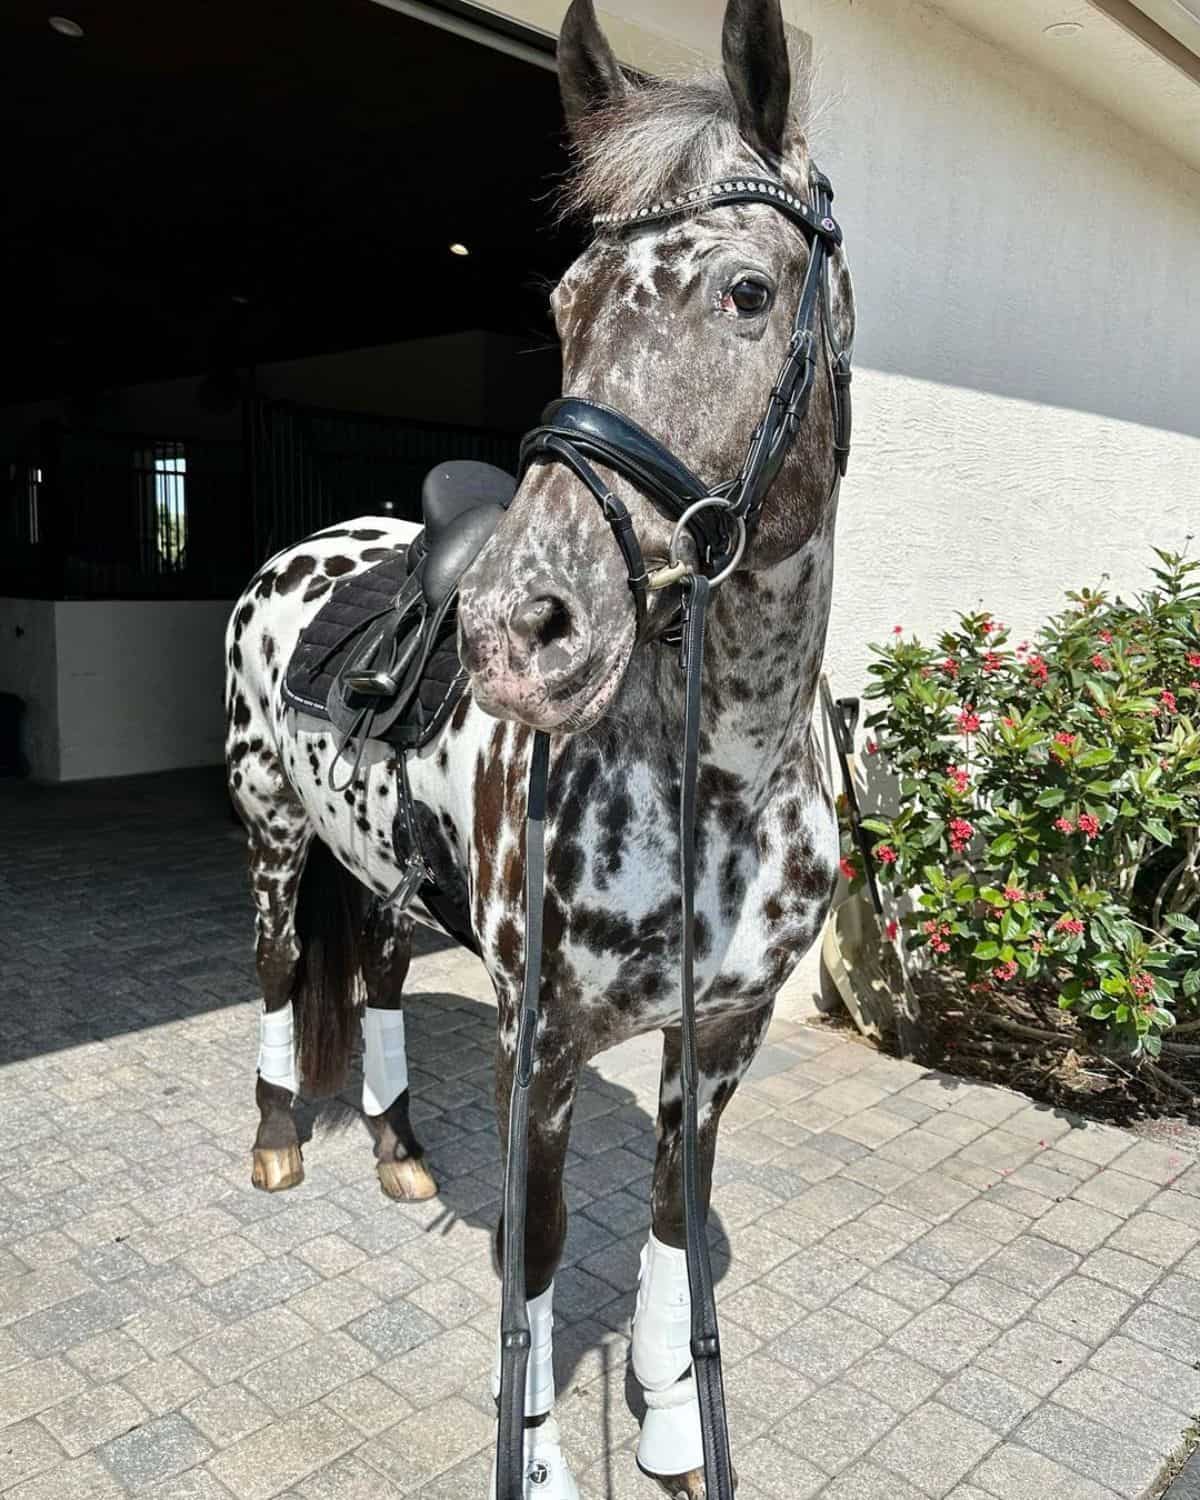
[{"x": 680, "y": 312}]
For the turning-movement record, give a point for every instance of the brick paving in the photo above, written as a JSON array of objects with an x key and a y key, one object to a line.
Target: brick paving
[{"x": 935, "y": 1289}]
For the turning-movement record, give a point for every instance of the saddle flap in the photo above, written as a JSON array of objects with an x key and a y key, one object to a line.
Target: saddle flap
[{"x": 453, "y": 551}]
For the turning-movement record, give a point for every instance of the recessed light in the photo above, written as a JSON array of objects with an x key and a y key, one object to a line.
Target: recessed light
[
  {"x": 1063, "y": 28},
  {"x": 458, "y": 249},
  {"x": 66, "y": 27},
  {"x": 240, "y": 299}
]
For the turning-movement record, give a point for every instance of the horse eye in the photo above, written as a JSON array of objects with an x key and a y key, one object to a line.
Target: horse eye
[{"x": 748, "y": 295}]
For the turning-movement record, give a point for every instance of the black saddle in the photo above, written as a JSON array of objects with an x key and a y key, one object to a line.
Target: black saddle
[{"x": 380, "y": 660}]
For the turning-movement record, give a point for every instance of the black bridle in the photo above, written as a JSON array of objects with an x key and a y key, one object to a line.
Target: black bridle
[{"x": 720, "y": 519}]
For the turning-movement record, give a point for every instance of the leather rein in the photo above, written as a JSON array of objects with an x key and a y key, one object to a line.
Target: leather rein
[{"x": 720, "y": 520}]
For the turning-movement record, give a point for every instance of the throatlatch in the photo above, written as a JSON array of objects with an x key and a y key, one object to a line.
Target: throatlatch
[{"x": 719, "y": 519}]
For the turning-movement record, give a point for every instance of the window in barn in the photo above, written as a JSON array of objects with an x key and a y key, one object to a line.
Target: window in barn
[{"x": 161, "y": 474}]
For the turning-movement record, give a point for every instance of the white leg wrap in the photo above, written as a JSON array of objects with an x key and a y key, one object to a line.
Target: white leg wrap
[
  {"x": 277, "y": 1048},
  {"x": 547, "y": 1476},
  {"x": 662, "y": 1322},
  {"x": 539, "y": 1374},
  {"x": 670, "y": 1442},
  {"x": 385, "y": 1061}
]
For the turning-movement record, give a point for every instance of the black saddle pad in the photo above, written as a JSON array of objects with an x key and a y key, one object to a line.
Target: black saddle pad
[{"x": 353, "y": 608}]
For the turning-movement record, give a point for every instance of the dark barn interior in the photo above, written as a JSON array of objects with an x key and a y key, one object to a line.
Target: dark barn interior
[{"x": 231, "y": 311}]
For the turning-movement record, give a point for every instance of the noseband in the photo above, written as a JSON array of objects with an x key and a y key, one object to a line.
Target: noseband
[{"x": 720, "y": 519}]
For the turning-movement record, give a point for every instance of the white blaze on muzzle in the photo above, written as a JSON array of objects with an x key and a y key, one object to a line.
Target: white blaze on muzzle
[
  {"x": 385, "y": 1060},
  {"x": 277, "y": 1048}
]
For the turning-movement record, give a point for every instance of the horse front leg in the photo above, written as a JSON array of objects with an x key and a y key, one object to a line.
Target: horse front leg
[
  {"x": 547, "y": 1475},
  {"x": 399, "y": 1157},
  {"x": 670, "y": 1447}
]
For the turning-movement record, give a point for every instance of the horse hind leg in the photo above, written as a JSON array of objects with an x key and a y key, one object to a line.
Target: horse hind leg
[
  {"x": 399, "y": 1156},
  {"x": 279, "y": 842},
  {"x": 670, "y": 1448}
]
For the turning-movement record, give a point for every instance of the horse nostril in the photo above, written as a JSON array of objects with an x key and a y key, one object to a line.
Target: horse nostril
[{"x": 540, "y": 622}]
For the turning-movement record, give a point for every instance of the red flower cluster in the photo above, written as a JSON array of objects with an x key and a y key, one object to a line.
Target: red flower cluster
[
  {"x": 950, "y": 667},
  {"x": 968, "y": 721},
  {"x": 872, "y": 748},
  {"x": 1106, "y": 636},
  {"x": 938, "y": 933},
  {"x": 1101, "y": 663},
  {"x": 959, "y": 777},
  {"x": 1064, "y": 825},
  {"x": 1089, "y": 825},
  {"x": 1167, "y": 698},
  {"x": 1022, "y": 648},
  {"x": 892, "y": 928},
  {"x": 1193, "y": 659},
  {"x": 1013, "y": 893},
  {"x": 847, "y": 867},
  {"x": 897, "y": 629},
  {"x": 992, "y": 662},
  {"x": 1005, "y": 970},
  {"x": 1009, "y": 723},
  {"x": 1038, "y": 669},
  {"x": 1142, "y": 984},
  {"x": 1069, "y": 924},
  {"x": 885, "y": 854},
  {"x": 1063, "y": 738},
  {"x": 961, "y": 833}
]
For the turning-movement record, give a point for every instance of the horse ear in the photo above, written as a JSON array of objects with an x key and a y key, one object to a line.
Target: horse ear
[
  {"x": 754, "y": 50},
  {"x": 588, "y": 72}
]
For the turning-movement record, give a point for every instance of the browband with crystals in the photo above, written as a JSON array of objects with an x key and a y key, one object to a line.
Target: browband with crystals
[{"x": 734, "y": 190}]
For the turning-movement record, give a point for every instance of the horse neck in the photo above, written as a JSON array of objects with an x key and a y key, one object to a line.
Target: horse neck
[{"x": 762, "y": 660}]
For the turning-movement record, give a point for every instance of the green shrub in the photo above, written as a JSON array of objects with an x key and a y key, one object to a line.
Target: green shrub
[{"x": 1050, "y": 806}]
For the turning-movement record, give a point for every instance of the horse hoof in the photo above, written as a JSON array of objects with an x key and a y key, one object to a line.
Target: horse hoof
[
  {"x": 408, "y": 1180},
  {"x": 689, "y": 1486},
  {"x": 277, "y": 1168}
]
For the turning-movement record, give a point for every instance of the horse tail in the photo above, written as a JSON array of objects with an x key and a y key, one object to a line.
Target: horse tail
[{"x": 330, "y": 908}]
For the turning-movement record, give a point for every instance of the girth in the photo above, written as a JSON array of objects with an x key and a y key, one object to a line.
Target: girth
[{"x": 719, "y": 519}]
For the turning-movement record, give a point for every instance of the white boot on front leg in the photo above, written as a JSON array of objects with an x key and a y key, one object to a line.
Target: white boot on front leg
[
  {"x": 547, "y": 1475},
  {"x": 670, "y": 1447}
]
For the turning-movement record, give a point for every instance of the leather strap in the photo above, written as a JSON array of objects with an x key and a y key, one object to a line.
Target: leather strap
[
  {"x": 706, "y": 1341},
  {"x": 514, "y": 1322},
  {"x": 514, "y": 1317},
  {"x": 553, "y": 445}
]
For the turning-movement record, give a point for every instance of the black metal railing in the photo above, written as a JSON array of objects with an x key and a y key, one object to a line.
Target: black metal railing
[{"x": 87, "y": 514}]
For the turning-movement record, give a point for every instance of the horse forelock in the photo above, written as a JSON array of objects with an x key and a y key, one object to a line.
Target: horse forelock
[{"x": 662, "y": 136}]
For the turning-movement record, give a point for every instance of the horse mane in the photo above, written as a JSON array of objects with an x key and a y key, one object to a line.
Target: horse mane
[{"x": 662, "y": 136}]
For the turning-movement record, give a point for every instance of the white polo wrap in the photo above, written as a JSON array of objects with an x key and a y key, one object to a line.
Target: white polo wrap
[
  {"x": 547, "y": 1476},
  {"x": 539, "y": 1374},
  {"x": 385, "y": 1061},
  {"x": 277, "y": 1048},
  {"x": 662, "y": 1321},
  {"x": 670, "y": 1441}
]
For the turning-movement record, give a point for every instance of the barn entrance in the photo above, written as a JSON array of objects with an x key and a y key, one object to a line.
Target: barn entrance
[{"x": 264, "y": 266}]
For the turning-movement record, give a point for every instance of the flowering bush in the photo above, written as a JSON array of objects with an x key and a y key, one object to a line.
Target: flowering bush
[{"x": 1049, "y": 795}]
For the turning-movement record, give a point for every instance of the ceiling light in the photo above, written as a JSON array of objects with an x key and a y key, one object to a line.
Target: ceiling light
[
  {"x": 458, "y": 249},
  {"x": 66, "y": 27},
  {"x": 1063, "y": 28}
]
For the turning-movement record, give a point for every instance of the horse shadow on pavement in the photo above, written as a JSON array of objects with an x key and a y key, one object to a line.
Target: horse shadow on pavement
[{"x": 451, "y": 1041}]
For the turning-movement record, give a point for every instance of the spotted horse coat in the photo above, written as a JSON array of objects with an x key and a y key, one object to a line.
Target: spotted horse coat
[{"x": 683, "y": 324}]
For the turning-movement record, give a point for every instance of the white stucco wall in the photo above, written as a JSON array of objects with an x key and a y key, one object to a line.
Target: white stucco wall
[
  {"x": 1027, "y": 373},
  {"x": 140, "y": 685},
  {"x": 28, "y": 668}
]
